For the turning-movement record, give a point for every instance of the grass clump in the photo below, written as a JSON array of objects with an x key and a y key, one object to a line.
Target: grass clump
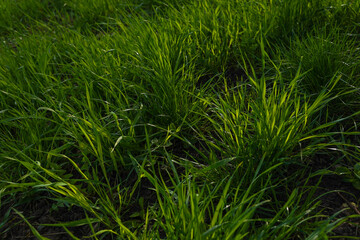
[{"x": 180, "y": 120}]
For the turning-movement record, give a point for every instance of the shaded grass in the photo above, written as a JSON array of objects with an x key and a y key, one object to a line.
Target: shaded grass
[{"x": 129, "y": 110}]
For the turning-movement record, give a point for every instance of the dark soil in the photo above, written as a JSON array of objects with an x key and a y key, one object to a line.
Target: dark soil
[
  {"x": 39, "y": 212},
  {"x": 339, "y": 195},
  {"x": 336, "y": 195}
]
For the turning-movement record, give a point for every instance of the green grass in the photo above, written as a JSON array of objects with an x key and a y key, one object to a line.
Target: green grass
[{"x": 177, "y": 119}]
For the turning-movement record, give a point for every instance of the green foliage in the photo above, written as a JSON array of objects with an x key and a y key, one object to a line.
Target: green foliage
[
  {"x": 351, "y": 175},
  {"x": 177, "y": 119}
]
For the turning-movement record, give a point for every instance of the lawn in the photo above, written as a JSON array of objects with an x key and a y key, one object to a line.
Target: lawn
[{"x": 179, "y": 119}]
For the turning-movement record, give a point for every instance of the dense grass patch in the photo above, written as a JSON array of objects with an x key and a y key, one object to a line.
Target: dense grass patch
[{"x": 188, "y": 119}]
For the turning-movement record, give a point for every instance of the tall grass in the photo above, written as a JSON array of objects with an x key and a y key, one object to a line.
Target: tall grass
[{"x": 175, "y": 119}]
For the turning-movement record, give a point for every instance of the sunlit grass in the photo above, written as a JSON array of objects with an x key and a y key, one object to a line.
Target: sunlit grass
[{"x": 177, "y": 119}]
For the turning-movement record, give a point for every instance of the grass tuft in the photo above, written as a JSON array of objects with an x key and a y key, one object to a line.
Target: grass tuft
[{"x": 187, "y": 119}]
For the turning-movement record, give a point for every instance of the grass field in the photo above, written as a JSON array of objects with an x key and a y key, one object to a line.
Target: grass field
[{"x": 179, "y": 119}]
